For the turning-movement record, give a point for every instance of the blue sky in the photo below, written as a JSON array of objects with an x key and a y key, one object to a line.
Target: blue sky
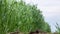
[{"x": 50, "y": 9}]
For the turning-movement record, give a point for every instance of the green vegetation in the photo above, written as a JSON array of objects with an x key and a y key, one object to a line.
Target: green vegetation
[
  {"x": 17, "y": 15},
  {"x": 58, "y": 28}
]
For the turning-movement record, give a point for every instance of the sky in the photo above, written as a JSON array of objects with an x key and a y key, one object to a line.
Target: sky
[{"x": 50, "y": 10}]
